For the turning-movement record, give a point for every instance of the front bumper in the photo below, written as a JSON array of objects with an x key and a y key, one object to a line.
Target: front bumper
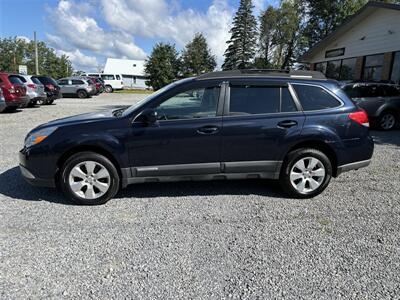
[{"x": 28, "y": 173}]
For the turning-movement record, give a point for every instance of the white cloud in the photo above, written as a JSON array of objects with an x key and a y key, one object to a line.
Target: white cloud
[
  {"x": 80, "y": 60},
  {"x": 76, "y": 29},
  {"x": 154, "y": 19},
  {"x": 23, "y": 38}
]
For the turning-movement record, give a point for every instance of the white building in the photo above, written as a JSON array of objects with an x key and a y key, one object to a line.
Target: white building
[
  {"x": 364, "y": 47},
  {"x": 132, "y": 71}
]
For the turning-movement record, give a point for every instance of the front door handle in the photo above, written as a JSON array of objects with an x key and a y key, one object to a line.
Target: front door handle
[
  {"x": 287, "y": 124},
  {"x": 208, "y": 130}
]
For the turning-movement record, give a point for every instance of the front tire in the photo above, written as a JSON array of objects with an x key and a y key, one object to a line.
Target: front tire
[
  {"x": 88, "y": 178},
  {"x": 305, "y": 173}
]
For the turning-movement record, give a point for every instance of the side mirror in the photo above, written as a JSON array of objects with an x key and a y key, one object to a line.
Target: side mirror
[{"x": 148, "y": 116}]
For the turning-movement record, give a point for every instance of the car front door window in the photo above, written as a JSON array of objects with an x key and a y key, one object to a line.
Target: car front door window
[{"x": 191, "y": 104}]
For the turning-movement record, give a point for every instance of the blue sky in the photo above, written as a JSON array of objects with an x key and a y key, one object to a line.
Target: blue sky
[{"x": 89, "y": 31}]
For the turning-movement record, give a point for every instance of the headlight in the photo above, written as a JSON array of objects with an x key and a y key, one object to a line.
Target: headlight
[{"x": 38, "y": 136}]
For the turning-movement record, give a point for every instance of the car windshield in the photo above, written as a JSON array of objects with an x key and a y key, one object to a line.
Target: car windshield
[{"x": 130, "y": 109}]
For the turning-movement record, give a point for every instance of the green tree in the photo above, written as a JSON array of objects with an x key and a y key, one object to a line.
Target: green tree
[
  {"x": 268, "y": 20},
  {"x": 162, "y": 66},
  {"x": 242, "y": 44},
  {"x": 15, "y": 51},
  {"x": 197, "y": 58}
]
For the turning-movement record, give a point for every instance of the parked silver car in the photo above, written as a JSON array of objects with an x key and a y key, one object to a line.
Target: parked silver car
[
  {"x": 34, "y": 90},
  {"x": 76, "y": 86}
]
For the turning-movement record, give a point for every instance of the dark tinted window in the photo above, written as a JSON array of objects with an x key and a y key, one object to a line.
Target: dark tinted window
[
  {"x": 46, "y": 80},
  {"x": 118, "y": 77},
  {"x": 192, "y": 104},
  {"x": 391, "y": 91},
  {"x": 315, "y": 98},
  {"x": 287, "y": 101},
  {"x": 22, "y": 79},
  {"x": 260, "y": 100},
  {"x": 75, "y": 81},
  {"x": 35, "y": 80},
  {"x": 15, "y": 79},
  {"x": 107, "y": 77}
]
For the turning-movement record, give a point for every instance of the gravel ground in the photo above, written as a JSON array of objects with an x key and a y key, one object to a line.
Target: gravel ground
[{"x": 203, "y": 240}]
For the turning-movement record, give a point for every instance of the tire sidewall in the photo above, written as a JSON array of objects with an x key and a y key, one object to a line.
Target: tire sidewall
[
  {"x": 82, "y": 94},
  {"x": 108, "y": 89},
  {"x": 86, "y": 156},
  {"x": 293, "y": 158}
]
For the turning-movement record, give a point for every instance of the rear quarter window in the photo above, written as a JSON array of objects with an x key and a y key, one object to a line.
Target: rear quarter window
[{"x": 315, "y": 98}]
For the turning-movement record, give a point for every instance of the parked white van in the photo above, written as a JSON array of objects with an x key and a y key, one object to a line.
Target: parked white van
[{"x": 111, "y": 81}]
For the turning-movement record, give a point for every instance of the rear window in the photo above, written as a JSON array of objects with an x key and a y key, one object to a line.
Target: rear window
[
  {"x": 22, "y": 78},
  {"x": 46, "y": 80},
  {"x": 247, "y": 99},
  {"x": 315, "y": 98},
  {"x": 391, "y": 91},
  {"x": 118, "y": 78},
  {"x": 15, "y": 79}
]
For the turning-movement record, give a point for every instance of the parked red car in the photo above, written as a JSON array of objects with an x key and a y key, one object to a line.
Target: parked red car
[
  {"x": 96, "y": 84},
  {"x": 14, "y": 91}
]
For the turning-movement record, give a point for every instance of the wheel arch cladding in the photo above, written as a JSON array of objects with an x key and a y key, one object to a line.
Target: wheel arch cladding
[{"x": 321, "y": 146}]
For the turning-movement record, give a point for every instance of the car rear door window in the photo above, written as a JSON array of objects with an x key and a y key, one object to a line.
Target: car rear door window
[
  {"x": 77, "y": 82},
  {"x": 63, "y": 82},
  {"x": 391, "y": 91},
  {"x": 248, "y": 99},
  {"x": 315, "y": 98}
]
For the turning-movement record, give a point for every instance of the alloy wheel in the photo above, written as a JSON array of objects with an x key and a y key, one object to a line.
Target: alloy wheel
[
  {"x": 388, "y": 121},
  {"x": 307, "y": 175},
  {"x": 89, "y": 180}
]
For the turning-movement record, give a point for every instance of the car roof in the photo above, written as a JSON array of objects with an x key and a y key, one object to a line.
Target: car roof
[{"x": 264, "y": 73}]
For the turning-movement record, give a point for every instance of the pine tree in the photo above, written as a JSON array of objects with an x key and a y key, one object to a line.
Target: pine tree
[
  {"x": 197, "y": 57},
  {"x": 268, "y": 20},
  {"x": 242, "y": 44},
  {"x": 162, "y": 65}
]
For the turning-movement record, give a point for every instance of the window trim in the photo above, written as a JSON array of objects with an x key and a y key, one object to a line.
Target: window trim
[
  {"x": 265, "y": 83},
  {"x": 324, "y": 88}
]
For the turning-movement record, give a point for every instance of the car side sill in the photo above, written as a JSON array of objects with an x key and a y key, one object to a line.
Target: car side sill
[
  {"x": 202, "y": 172},
  {"x": 353, "y": 166}
]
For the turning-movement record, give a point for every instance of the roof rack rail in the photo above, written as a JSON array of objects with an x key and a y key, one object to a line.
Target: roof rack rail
[{"x": 300, "y": 74}]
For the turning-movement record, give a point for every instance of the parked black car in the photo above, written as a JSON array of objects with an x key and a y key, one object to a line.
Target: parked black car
[
  {"x": 296, "y": 127},
  {"x": 381, "y": 102},
  {"x": 51, "y": 88}
]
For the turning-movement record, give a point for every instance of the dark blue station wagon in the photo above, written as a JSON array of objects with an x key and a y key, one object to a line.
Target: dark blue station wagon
[{"x": 296, "y": 127}]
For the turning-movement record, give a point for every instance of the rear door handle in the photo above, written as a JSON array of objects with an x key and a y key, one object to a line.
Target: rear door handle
[
  {"x": 208, "y": 130},
  {"x": 287, "y": 124}
]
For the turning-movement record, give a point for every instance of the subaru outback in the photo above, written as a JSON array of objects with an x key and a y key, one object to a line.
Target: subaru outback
[{"x": 293, "y": 126}]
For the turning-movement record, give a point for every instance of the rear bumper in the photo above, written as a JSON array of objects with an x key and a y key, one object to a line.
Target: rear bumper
[{"x": 353, "y": 166}]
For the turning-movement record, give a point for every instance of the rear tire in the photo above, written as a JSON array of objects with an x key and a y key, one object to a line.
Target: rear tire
[
  {"x": 40, "y": 101},
  {"x": 49, "y": 102},
  {"x": 108, "y": 89},
  {"x": 82, "y": 94},
  {"x": 305, "y": 173},
  {"x": 387, "y": 121},
  {"x": 88, "y": 178}
]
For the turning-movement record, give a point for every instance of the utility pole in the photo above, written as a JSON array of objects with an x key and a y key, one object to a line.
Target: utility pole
[{"x": 36, "y": 54}]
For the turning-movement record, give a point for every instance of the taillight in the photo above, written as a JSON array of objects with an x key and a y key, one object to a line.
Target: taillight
[
  {"x": 360, "y": 117},
  {"x": 32, "y": 86},
  {"x": 12, "y": 90},
  {"x": 50, "y": 86}
]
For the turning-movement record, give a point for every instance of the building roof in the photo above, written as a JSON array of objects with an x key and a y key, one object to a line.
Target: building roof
[
  {"x": 351, "y": 21},
  {"x": 124, "y": 67}
]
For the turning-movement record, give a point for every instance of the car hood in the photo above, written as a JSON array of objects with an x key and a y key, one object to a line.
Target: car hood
[{"x": 79, "y": 119}]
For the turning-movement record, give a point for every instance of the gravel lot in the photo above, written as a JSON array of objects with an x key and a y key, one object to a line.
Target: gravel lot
[{"x": 203, "y": 240}]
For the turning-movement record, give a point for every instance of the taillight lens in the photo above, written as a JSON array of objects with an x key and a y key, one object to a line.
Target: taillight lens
[
  {"x": 360, "y": 117},
  {"x": 50, "y": 86},
  {"x": 32, "y": 86}
]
